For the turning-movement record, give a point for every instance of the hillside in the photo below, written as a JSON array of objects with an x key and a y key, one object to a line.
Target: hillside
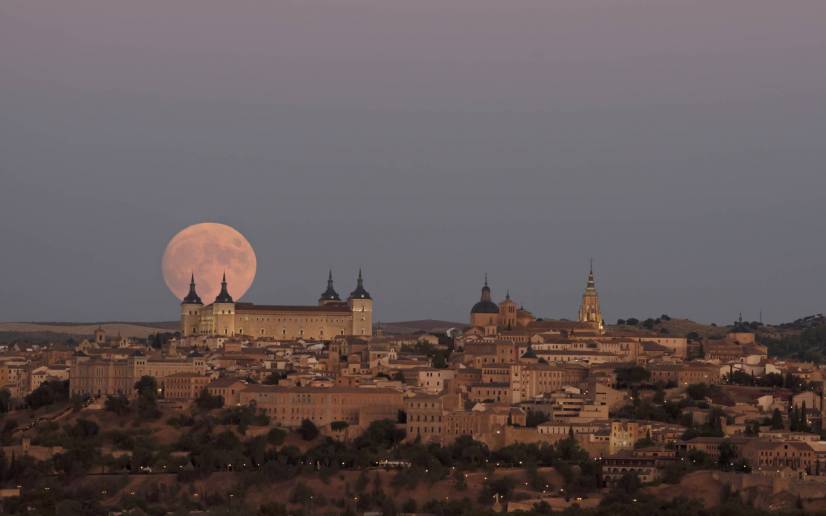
[{"x": 59, "y": 331}]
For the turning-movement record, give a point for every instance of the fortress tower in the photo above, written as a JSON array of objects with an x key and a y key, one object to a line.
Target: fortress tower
[
  {"x": 191, "y": 311},
  {"x": 223, "y": 311},
  {"x": 361, "y": 304}
]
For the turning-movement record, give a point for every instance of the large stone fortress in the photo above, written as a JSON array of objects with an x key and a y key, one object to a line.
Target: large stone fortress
[{"x": 331, "y": 317}]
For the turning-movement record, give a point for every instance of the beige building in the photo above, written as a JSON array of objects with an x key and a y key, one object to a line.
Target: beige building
[
  {"x": 647, "y": 463},
  {"x": 330, "y": 318},
  {"x": 184, "y": 386},
  {"x": 529, "y": 381},
  {"x": 289, "y": 406},
  {"x": 685, "y": 373},
  {"x": 102, "y": 376}
]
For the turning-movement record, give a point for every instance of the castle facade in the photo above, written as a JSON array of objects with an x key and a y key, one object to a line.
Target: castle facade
[{"x": 331, "y": 317}]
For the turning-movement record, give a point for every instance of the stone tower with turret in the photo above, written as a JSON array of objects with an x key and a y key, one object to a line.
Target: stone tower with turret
[
  {"x": 361, "y": 305},
  {"x": 223, "y": 311},
  {"x": 589, "y": 311},
  {"x": 191, "y": 311}
]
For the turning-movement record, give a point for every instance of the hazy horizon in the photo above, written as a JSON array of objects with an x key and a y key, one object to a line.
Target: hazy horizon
[{"x": 680, "y": 144}]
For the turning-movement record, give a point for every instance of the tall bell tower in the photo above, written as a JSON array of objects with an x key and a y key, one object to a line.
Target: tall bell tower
[{"x": 589, "y": 310}]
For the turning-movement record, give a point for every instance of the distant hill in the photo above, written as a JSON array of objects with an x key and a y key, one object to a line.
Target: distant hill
[
  {"x": 424, "y": 325},
  {"x": 676, "y": 327},
  {"x": 60, "y": 331}
]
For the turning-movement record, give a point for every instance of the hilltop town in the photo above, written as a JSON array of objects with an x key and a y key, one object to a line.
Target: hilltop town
[{"x": 317, "y": 409}]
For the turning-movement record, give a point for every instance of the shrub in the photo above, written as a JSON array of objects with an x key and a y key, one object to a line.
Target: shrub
[{"x": 308, "y": 431}]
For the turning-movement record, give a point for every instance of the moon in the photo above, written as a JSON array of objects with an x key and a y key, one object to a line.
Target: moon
[{"x": 207, "y": 250}]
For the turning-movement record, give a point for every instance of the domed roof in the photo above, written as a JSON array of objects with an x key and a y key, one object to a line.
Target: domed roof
[
  {"x": 485, "y": 307},
  {"x": 485, "y": 304}
]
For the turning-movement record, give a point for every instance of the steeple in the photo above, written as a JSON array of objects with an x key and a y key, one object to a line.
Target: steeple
[
  {"x": 591, "y": 283},
  {"x": 330, "y": 294},
  {"x": 589, "y": 310},
  {"x": 192, "y": 298},
  {"x": 223, "y": 296},
  {"x": 359, "y": 292},
  {"x": 485, "y": 290}
]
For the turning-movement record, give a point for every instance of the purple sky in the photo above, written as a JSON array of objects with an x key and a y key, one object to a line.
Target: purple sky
[{"x": 680, "y": 143}]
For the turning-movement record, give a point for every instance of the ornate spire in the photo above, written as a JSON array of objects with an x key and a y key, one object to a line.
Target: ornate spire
[
  {"x": 330, "y": 294},
  {"x": 192, "y": 297},
  {"x": 359, "y": 292},
  {"x": 223, "y": 296},
  {"x": 591, "y": 283},
  {"x": 589, "y": 310},
  {"x": 486, "y": 290}
]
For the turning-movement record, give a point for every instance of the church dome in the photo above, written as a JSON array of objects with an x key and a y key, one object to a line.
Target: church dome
[
  {"x": 485, "y": 304},
  {"x": 484, "y": 307}
]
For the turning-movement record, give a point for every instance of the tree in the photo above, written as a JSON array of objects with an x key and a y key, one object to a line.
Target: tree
[
  {"x": 119, "y": 404},
  {"x": 698, "y": 391},
  {"x": 629, "y": 483},
  {"x": 5, "y": 401},
  {"x": 206, "y": 401},
  {"x": 147, "y": 388},
  {"x": 276, "y": 436},
  {"x": 633, "y": 375},
  {"x": 48, "y": 393},
  {"x": 777, "y": 420},
  {"x": 308, "y": 431},
  {"x": 728, "y": 452}
]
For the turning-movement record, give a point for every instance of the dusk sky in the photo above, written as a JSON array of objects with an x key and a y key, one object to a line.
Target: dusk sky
[{"x": 682, "y": 144}]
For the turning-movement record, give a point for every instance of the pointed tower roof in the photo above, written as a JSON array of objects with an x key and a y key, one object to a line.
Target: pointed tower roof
[
  {"x": 192, "y": 298},
  {"x": 330, "y": 294},
  {"x": 591, "y": 283},
  {"x": 360, "y": 293},
  {"x": 223, "y": 296}
]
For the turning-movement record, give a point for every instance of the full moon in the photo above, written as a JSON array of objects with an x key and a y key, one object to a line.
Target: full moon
[{"x": 207, "y": 250}]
